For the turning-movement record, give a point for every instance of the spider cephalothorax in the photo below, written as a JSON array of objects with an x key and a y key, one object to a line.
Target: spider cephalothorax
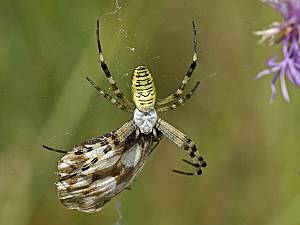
[{"x": 98, "y": 169}]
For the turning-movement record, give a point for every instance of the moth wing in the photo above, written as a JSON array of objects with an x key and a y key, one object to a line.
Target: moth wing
[{"x": 86, "y": 184}]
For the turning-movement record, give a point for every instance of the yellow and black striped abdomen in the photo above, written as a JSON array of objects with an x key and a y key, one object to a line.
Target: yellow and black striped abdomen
[{"x": 143, "y": 89}]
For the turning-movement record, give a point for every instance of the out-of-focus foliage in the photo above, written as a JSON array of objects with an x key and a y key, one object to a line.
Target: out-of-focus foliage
[{"x": 252, "y": 148}]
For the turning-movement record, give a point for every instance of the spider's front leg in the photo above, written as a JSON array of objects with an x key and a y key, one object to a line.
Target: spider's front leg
[
  {"x": 55, "y": 149},
  {"x": 182, "y": 141}
]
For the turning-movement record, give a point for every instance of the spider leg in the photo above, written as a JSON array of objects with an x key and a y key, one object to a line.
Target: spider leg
[
  {"x": 182, "y": 141},
  {"x": 183, "y": 173},
  {"x": 55, "y": 150},
  {"x": 109, "y": 77},
  {"x": 154, "y": 146},
  {"x": 157, "y": 136},
  {"x": 108, "y": 97},
  {"x": 186, "y": 78},
  {"x": 180, "y": 101}
]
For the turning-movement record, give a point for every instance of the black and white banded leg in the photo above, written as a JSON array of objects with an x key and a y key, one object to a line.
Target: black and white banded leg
[
  {"x": 186, "y": 78},
  {"x": 108, "y": 97},
  {"x": 180, "y": 139},
  {"x": 123, "y": 100},
  {"x": 180, "y": 101}
]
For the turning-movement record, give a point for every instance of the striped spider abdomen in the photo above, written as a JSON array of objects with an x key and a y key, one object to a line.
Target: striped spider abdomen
[{"x": 143, "y": 89}]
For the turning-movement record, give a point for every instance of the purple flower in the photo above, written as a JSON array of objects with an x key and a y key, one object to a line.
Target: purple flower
[{"x": 287, "y": 33}]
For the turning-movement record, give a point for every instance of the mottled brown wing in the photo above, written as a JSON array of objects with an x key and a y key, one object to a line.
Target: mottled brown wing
[{"x": 98, "y": 169}]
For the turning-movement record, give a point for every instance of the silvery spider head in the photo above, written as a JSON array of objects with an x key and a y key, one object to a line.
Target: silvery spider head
[
  {"x": 143, "y": 89},
  {"x": 145, "y": 120}
]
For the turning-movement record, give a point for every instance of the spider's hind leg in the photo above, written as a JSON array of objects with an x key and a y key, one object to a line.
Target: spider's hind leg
[
  {"x": 120, "y": 96},
  {"x": 180, "y": 101},
  {"x": 186, "y": 78},
  {"x": 108, "y": 97}
]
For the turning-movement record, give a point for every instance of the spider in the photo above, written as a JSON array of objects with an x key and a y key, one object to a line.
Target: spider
[
  {"x": 98, "y": 169},
  {"x": 145, "y": 107}
]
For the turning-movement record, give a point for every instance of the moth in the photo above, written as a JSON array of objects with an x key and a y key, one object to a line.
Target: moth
[{"x": 100, "y": 168}]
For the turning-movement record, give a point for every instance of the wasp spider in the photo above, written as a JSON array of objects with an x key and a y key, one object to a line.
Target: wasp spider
[{"x": 98, "y": 169}]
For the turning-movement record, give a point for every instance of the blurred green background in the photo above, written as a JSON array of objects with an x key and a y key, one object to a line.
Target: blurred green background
[{"x": 252, "y": 148}]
